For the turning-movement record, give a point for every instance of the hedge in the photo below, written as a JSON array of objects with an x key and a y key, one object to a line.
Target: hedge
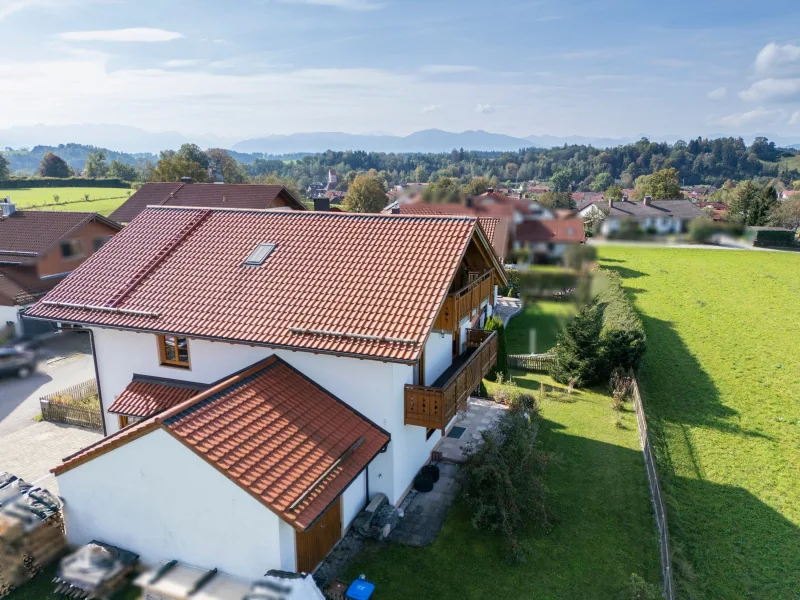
[
  {"x": 495, "y": 324},
  {"x": 773, "y": 237},
  {"x": 623, "y": 333},
  {"x": 57, "y": 182}
]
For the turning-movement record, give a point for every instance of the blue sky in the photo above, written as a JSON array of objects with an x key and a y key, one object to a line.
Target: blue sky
[{"x": 253, "y": 67}]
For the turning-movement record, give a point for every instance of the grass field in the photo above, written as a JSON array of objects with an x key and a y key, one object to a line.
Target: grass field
[
  {"x": 36, "y": 197},
  {"x": 605, "y": 529},
  {"x": 721, "y": 381},
  {"x": 535, "y": 329}
]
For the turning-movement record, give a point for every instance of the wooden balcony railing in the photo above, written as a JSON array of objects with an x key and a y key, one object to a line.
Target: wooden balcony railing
[
  {"x": 434, "y": 406},
  {"x": 461, "y": 303}
]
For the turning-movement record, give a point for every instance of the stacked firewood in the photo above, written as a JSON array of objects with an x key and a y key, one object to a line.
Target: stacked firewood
[
  {"x": 96, "y": 570},
  {"x": 31, "y": 532}
]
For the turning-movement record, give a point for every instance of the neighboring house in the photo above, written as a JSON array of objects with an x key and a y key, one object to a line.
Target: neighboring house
[
  {"x": 547, "y": 239},
  {"x": 786, "y": 194},
  {"x": 719, "y": 210},
  {"x": 207, "y": 195},
  {"x": 271, "y": 372},
  {"x": 661, "y": 217},
  {"x": 333, "y": 180},
  {"x": 538, "y": 189},
  {"x": 37, "y": 250},
  {"x": 584, "y": 199}
]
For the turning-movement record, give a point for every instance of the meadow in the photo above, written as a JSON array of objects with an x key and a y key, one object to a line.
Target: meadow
[
  {"x": 721, "y": 385},
  {"x": 101, "y": 200},
  {"x": 604, "y": 531}
]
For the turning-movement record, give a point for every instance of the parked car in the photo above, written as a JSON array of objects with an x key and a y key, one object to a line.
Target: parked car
[{"x": 18, "y": 361}]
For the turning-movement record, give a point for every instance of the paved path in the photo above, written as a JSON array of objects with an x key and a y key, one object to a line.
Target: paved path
[
  {"x": 31, "y": 452},
  {"x": 505, "y": 308}
]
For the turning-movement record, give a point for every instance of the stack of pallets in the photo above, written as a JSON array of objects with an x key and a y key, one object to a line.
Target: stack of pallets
[{"x": 31, "y": 531}]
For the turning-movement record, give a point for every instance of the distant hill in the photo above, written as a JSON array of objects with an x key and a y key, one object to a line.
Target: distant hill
[
  {"x": 27, "y": 161},
  {"x": 427, "y": 141}
]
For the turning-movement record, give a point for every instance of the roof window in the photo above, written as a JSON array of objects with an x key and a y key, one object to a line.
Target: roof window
[{"x": 259, "y": 255}]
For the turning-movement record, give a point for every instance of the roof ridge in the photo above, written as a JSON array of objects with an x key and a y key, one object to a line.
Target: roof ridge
[
  {"x": 121, "y": 294},
  {"x": 338, "y": 215}
]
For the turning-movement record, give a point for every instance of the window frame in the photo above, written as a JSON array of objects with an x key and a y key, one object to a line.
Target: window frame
[
  {"x": 164, "y": 361},
  {"x": 76, "y": 249}
]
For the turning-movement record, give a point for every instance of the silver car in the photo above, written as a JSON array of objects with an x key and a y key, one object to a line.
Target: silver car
[{"x": 17, "y": 361}]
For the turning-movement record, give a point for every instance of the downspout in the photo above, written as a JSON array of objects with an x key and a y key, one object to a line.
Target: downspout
[{"x": 97, "y": 379}]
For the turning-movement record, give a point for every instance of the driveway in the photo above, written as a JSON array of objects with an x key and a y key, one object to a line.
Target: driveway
[{"x": 29, "y": 449}]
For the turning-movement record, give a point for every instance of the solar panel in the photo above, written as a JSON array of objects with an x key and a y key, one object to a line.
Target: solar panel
[{"x": 259, "y": 255}]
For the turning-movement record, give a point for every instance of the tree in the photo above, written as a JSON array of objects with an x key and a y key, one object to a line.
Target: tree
[
  {"x": 787, "y": 214},
  {"x": 764, "y": 205},
  {"x": 193, "y": 153},
  {"x": 232, "y": 171},
  {"x": 578, "y": 351},
  {"x": 742, "y": 206},
  {"x": 443, "y": 190},
  {"x": 4, "y": 171},
  {"x": 122, "y": 171},
  {"x": 172, "y": 166},
  {"x": 661, "y": 185},
  {"x": 287, "y": 182},
  {"x": 96, "y": 165},
  {"x": 366, "y": 195},
  {"x": 561, "y": 180},
  {"x": 613, "y": 193},
  {"x": 557, "y": 200},
  {"x": 53, "y": 165},
  {"x": 420, "y": 174},
  {"x": 602, "y": 182},
  {"x": 478, "y": 186}
]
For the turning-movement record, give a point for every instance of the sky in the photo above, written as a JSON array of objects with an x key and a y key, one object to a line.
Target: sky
[{"x": 247, "y": 68}]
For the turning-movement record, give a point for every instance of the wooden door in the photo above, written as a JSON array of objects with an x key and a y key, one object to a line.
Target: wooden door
[{"x": 312, "y": 545}]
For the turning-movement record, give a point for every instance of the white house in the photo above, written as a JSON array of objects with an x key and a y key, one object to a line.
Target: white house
[
  {"x": 661, "y": 217},
  {"x": 264, "y": 374}
]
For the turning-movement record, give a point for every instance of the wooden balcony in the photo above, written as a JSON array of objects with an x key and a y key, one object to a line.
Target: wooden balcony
[
  {"x": 434, "y": 406},
  {"x": 463, "y": 302}
]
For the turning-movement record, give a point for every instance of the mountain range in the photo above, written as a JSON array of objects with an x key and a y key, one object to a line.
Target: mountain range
[{"x": 128, "y": 139}]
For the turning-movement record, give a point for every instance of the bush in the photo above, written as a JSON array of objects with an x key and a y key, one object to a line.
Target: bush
[
  {"x": 578, "y": 349},
  {"x": 495, "y": 324},
  {"x": 622, "y": 336},
  {"x": 701, "y": 229},
  {"x": 773, "y": 237},
  {"x": 639, "y": 589},
  {"x": 503, "y": 480},
  {"x": 512, "y": 288},
  {"x": 578, "y": 255},
  {"x": 45, "y": 182}
]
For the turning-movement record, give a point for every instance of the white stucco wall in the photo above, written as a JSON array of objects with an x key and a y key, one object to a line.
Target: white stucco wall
[
  {"x": 155, "y": 497},
  {"x": 438, "y": 354},
  {"x": 373, "y": 388},
  {"x": 11, "y": 313},
  {"x": 354, "y": 499}
]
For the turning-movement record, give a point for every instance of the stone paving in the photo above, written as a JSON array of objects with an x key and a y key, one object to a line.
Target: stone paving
[
  {"x": 481, "y": 415},
  {"x": 505, "y": 308},
  {"x": 30, "y": 453}
]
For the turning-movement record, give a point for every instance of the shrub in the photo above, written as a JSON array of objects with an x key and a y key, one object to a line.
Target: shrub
[
  {"x": 701, "y": 229},
  {"x": 503, "y": 480},
  {"x": 512, "y": 288},
  {"x": 44, "y": 182},
  {"x": 495, "y": 324},
  {"x": 578, "y": 348},
  {"x": 622, "y": 335},
  {"x": 578, "y": 255},
  {"x": 773, "y": 237},
  {"x": 56, "y": 198},
  {"x": 639, "y": 589},
  {"x": 86, "y": 197}
]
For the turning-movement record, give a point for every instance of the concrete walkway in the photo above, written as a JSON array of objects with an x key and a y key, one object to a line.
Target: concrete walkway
[
  {"x": 506, "y": 308},
  {"x": 480, "y": 416}
]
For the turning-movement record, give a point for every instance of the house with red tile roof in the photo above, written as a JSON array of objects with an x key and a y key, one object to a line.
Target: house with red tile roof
[
  {"x": 789, "y": 194},
  {"x": 264, "y": 374},
  {"x": 207, "y": 195},
  {"x": 546, "y": 240},
  {"x": 37, "y": 250}
]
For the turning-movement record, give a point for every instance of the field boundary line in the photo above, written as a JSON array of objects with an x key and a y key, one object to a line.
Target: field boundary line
[
  {"x": 656, "y": 495},
  {"x": 73, "y": 202}
]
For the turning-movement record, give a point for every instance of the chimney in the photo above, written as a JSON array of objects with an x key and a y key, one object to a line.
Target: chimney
[
  {"x": 647, "y": 200},
  {"x": 186, "y": 180},
  {"x": 468, "y": 200},
  {"x": 396, "y": 210},
  {"x": 610, "y": 203},
  {"x": 521, "y": 195},
  {"x": 322, "y": 204},
  {"x": 7, "y": 207},
  {"x": 490, "y": 190}
]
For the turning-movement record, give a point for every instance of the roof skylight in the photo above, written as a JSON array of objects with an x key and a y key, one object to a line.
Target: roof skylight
[{"x": 259, "y": 255}]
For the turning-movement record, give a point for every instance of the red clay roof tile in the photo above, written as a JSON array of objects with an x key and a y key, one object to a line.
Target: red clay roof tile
[
  {"x": 551, "y": 230},
  {"x": 144, "y": 397},
  {"x": 335, "y": 282}
]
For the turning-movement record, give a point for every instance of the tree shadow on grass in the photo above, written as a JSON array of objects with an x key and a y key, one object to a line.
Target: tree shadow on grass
[{"x": 625, "y": 272}]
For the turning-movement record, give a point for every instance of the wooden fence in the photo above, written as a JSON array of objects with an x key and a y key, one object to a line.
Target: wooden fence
[
  {"x": 656, "y": 496},
  {"x": 64, "y": 407},
  {"x": 531, "y": 362}
]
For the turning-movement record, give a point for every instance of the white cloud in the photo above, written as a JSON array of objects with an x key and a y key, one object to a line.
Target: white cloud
[
  {"x": 182, "y": 63},
  {"x": 431, "y": 108},
  {"x": 795, "y": 120},
  {"x": 767, "y": 90},
  {"x": 776, "y": 58},
  {"x": 133, "y": 34},
  {"x": 444, "y": 69},
  {"x": 357, "y": 5},
  {"x": 485, "y": 109},
  {"x": 758, "y": 115},
  {"x": 717, "y": 94}
]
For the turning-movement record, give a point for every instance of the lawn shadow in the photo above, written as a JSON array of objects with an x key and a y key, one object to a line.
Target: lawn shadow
[{"x": 627, "y": 273}]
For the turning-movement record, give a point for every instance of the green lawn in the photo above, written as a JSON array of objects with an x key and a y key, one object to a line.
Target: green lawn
[
  {"x": 41, "y": 587},
  {"x": 534, "y": 330},
  {"x": 604, "y": 533},
  {"x": 721, "y": 381},
  {"x": 30, "y": 197}
]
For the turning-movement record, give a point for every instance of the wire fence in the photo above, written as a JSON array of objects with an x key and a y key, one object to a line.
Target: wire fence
[
  {"x": 656, "y": 495},
  {"x": 69, "y": 406}
]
